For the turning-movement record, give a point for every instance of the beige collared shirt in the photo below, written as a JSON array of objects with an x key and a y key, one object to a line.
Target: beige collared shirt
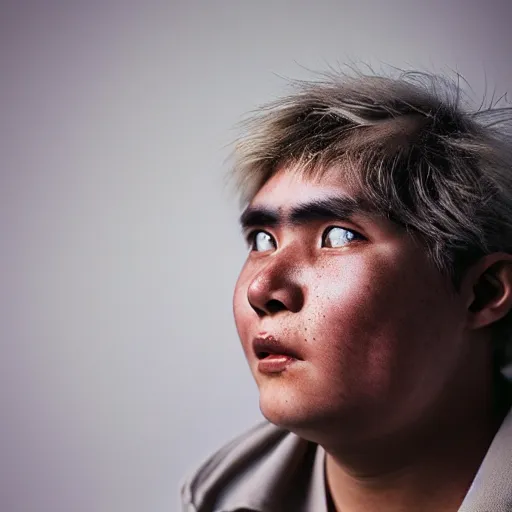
[{"x": 269, "y": 469}]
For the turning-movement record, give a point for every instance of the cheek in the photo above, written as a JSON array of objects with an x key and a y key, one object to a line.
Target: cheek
[
  {"x": 353, "y": 293},
  {"x": 367, "y": 314}
]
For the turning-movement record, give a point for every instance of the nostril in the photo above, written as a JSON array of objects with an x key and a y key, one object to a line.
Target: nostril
[{"x": 274, "y": 306}]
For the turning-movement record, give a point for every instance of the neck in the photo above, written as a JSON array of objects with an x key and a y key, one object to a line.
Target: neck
[{"x": 428, "y": 468}]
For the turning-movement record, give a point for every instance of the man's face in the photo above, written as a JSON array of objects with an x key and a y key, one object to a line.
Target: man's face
[{"x": 343, "y": 319}]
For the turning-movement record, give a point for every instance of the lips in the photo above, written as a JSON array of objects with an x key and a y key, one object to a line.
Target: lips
[{"x": 266, "y": 346}]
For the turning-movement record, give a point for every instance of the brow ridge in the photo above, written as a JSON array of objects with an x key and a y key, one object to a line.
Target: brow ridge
[{"x": 342, "y": 208}]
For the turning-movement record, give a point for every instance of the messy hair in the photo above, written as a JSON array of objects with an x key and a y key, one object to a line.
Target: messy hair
[{"x": 411, "y": 145}]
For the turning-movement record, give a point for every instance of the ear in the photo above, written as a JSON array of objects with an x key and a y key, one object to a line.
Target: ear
[{"x": 487, "y": 289}]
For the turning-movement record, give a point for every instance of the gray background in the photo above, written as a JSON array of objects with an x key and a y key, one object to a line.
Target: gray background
[{"x": 120, "y": 367}]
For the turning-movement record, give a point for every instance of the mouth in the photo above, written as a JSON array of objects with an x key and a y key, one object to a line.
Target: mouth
[{"x": 270, "y": 346}]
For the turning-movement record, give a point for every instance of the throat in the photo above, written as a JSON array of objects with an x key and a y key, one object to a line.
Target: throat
[{"x": 399, "y": 476}]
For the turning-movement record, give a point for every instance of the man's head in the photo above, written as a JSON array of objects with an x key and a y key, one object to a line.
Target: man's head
[{"x": 380, "y": 223}]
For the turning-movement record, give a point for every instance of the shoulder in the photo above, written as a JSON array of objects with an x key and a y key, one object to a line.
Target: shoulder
[{"x": 249, "y": 470}]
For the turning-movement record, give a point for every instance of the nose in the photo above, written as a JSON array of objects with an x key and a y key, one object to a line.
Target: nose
[{"x": 275, "y": 289}]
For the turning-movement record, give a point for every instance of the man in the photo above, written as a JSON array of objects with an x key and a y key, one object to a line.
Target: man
[{"x": 374, "y": 305}]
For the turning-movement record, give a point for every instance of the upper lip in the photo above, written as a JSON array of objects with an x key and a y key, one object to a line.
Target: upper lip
[{"x": 269, "y": 344}]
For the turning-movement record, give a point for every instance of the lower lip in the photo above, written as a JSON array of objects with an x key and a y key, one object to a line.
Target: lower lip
[{"x": 275, "y": 363}]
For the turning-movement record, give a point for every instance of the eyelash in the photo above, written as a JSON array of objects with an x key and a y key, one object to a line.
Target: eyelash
[{"x": 250, "y": 237}]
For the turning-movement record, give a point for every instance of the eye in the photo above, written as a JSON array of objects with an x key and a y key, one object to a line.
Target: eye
[
  {"x": 336, "y": 236},
  {"x": 261, "y": 241}
]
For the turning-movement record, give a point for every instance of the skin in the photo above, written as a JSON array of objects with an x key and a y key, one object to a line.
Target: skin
[{"x": 394, "y": 365}]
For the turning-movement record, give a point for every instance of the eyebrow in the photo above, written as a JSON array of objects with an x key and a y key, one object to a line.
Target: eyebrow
[{"x": 341, "y": 208}]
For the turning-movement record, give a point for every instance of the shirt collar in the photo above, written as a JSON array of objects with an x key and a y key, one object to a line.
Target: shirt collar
[
  {"x": 317, "y": 496},
  {"x": 491, "y": 488}
]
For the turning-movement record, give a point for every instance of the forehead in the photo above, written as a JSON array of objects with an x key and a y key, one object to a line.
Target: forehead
[
  {"x": 289, "y": 197},
  {"x": 289, "y": 187}
]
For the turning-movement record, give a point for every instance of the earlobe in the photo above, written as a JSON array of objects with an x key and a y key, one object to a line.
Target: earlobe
[{"x": 490, "y": 296}]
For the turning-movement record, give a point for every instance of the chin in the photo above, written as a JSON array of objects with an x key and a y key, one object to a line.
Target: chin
[
  {"x": 281, "y": 406},
  {"x": 308, "y": 418},
  {"x": 289, "y": 410}
]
